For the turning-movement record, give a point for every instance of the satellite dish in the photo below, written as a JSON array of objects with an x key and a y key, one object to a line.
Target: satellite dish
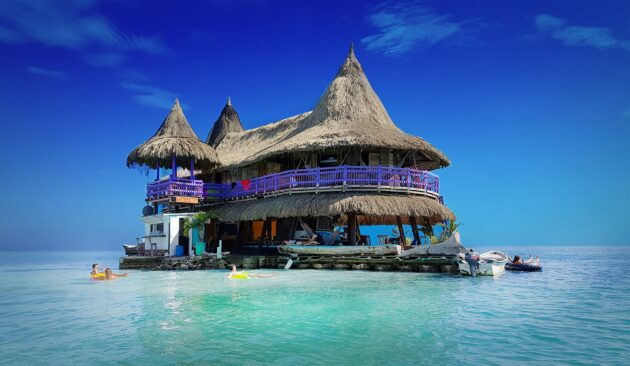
[{"x": 147, "y": 210}]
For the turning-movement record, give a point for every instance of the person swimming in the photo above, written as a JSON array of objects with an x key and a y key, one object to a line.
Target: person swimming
[
  {"x": 517, "y": 260},
  {"x": 236, "y": 274},
  {"x": 107, "y": 275}
]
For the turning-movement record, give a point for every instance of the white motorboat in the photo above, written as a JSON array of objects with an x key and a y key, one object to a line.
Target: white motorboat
[{"x": 487, "y": 264}]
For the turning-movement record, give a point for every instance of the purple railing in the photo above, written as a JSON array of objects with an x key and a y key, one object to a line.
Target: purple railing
[
  {"x": 322, "y": 179},
  {"x": 175, "y": 187}
]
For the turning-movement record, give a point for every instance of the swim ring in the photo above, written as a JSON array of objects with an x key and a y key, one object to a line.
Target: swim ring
[{"x": 240, "y": 275}]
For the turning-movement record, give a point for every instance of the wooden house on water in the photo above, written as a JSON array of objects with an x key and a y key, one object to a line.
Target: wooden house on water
[{"x": 299, "y": 180}]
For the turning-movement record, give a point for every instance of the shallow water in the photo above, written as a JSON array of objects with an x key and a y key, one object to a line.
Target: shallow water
[{"x": 575, "y": 312}]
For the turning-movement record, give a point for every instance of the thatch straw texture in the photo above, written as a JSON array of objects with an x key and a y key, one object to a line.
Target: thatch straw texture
[
  {"x": 228, "y": 121},
  {"x": 174, "y": 137},
  {"x": 349, "y": 114},
  {"x": 373, "y": 208}
]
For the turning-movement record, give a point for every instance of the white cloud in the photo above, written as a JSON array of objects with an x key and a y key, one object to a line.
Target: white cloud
[
  {"x": 405, "y": 26},
  {"x": 68, "y": 24},
  {"x": 575, "y": 35},
  {"x": 46, "y": 72},
  {"x": 151, "y": 96}
]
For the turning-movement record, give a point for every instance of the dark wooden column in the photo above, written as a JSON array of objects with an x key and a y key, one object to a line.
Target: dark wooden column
[
  {"x": 352, "y": 229},
  {"x": 240, "y": 234},
  {"x": 358, "y": 229},
  {"x": 263, "y": 234},
  {"x": 414, "y": 229},
  {"x": 401, "y": 231}
]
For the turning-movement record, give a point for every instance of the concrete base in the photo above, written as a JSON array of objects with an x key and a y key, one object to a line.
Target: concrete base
[{"x": 429, "y": 264}]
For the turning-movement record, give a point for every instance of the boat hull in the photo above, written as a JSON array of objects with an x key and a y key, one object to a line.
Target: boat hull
[{"x": 485, "y": 269}]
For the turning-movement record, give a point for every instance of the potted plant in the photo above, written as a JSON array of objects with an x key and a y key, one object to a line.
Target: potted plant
[{"x": 198, "y": 222}]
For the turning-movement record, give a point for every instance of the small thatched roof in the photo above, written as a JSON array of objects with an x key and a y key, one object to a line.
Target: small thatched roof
[
  {"x": 228, "y": 121},
  {"x": 373, "y": 208},
  {"x": 349, "y": 114},
  {"x": 174, "y": 137}
]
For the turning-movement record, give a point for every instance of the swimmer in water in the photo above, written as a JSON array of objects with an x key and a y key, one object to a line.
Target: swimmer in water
[
  {"x": 236, "y": 274},
  {"x": 95, "y": 268},
  {"x": 109, "y": 275}
]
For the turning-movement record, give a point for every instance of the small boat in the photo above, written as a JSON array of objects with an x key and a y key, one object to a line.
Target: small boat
[
  {"x": 530, "y": 265},
  {"x": 341, "y": 250},
  {"x": 451, "y": 246},
  {"x": 131, "y": 249},
  {"x": 487, "y": 264}
]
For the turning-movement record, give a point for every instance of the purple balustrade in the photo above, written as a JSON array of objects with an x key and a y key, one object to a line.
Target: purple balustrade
[
  {"x": 175, "y": 187},
  {"x": 322, "y": 179}
]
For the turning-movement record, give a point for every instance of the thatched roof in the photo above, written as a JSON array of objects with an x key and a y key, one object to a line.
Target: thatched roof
[
  {"x": 228, "y": 121},
  {"x": 373, "y": 208},
  {"x": 174, "y": 137},
  {"x": 349, "y": 114}
]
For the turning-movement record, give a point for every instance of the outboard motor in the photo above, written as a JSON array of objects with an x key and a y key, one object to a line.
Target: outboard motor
[{"x": 472, "y": 258}]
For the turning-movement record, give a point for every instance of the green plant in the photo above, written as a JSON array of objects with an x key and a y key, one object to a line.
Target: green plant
[
  {"x": 450, "y": 227},
  {"x": 197, "y": 221}
]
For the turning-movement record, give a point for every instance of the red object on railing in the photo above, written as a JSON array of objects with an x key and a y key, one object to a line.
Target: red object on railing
[{"x": 322, "y": 179}]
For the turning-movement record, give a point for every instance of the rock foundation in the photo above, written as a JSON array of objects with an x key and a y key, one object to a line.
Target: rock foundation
[{"x": 431, "y": 265}]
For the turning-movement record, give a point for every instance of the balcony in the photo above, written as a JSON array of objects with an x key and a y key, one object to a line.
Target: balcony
[
  {"x": 341, "y": 178},
  {"x": 175, "y": 190}
]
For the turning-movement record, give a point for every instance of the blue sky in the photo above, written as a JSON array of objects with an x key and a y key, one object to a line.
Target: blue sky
[{"x": 530, "y": 101}]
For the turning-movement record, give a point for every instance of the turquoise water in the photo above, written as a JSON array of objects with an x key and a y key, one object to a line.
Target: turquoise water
[{"x": 575, "y": 312}]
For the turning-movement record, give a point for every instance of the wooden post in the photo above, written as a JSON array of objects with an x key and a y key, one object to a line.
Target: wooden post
[
  {"x": 239, "y": 236},
  {"x": 263, "y": 234},
  {"x": 157, "y": 174},
  {"x": 192, "y": 169},
  {"x": 174, "y": 168},
  {"x": 414, "y": 229},
  {"x": 352, "y": 229},
  {"x": 403, "y": 240},
  {"x": 358, "y": 229}
]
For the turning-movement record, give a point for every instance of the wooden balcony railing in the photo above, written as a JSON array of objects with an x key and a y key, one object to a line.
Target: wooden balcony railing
[{"x": 342, "y": 178}]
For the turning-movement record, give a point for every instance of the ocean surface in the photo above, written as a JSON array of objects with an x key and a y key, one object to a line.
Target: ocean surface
[{"x": 575, "y": 312}]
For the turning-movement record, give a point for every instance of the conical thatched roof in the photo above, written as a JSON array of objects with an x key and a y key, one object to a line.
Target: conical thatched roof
[
  {"x": 349, "y": 114},
  {"x": 375, "y": 208},
  {"x": 228, "y": 121},
  {"x": 174, "y": 137}
]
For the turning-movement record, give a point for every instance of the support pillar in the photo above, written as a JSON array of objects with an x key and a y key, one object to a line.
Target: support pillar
[
  {"x": 414, "y": 229},
  {"x": 401, "y": 231},
  {"x": 358, "y": 229},
  {"x": 263, "y": 234},
  {"x": 192, "y": 169},
  {"x": 174, "y": 168},
  {"x": 352, "y": 229},
  {"x": 157, "y": 173}
]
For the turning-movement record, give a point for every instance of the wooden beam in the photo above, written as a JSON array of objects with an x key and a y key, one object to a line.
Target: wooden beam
[
  {"x": 358, "y": 228},
  {"x": 414, "y": 229},
  {"x": 401, "y": 231},
  {"x": 263, "y": 234},
  {"x": 352, "y": 229}
]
